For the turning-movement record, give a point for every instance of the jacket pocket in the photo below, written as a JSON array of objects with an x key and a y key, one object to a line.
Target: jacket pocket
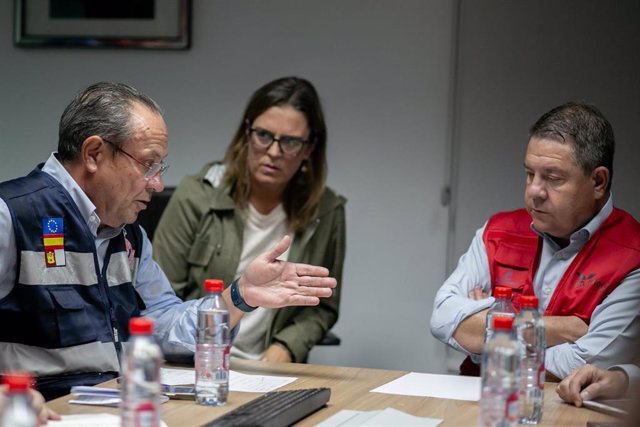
[
  {"x": 512, "y": 265},
  {"x": 74, "y": 324},
  {"x": 205, "y": 242}
]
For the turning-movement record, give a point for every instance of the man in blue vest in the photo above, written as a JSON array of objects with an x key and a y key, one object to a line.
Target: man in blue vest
[{"x": 74, "y": 268}]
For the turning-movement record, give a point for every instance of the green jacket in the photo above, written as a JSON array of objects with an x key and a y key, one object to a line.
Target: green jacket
[{"x": 199, "y": 236}]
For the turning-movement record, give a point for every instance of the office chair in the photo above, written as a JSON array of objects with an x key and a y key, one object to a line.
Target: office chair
[{"x": 149, "y": 218}]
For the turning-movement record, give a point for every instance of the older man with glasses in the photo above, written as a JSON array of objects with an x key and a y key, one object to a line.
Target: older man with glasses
[{"x": 74, "y": 268}]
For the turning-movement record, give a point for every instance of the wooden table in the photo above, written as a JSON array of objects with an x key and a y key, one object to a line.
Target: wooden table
[{"x": 349, "y": 390}]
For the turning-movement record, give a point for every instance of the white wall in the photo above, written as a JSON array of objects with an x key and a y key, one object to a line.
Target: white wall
[
  {"x": 382, "y": 69},
  {"x": 517, "y": 61}
]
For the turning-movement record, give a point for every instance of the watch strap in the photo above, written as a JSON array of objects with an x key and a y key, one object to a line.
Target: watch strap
[{"x": 237, "y": 299}]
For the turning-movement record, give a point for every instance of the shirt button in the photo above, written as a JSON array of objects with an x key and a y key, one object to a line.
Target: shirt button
[{"x": 547, "y": 291}]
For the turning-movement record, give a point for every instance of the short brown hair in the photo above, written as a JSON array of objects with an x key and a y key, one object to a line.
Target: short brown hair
[{"x": 584, "y": 126}]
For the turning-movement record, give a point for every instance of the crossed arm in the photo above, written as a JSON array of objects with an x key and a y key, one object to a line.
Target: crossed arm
[
  {"x": 558, "y": 329},
  {"x": 459, "y": 312}
]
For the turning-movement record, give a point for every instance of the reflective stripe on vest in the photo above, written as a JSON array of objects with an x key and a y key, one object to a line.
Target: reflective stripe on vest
[
  {"x": 91, "y": 357},
  {"x": 79, "y": 269}
]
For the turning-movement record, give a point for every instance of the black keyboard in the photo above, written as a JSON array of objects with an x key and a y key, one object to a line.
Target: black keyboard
[{"x": 275, "y": 409}]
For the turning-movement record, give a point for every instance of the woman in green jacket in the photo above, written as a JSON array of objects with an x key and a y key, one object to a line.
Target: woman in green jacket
[{"x": 272, "y": 183}]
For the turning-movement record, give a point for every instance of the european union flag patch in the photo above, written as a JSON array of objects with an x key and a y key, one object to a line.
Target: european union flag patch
[{"x": 53, "y": 239}]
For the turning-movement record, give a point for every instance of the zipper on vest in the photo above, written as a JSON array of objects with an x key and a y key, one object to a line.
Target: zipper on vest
[{"x": 116, "y": 335}]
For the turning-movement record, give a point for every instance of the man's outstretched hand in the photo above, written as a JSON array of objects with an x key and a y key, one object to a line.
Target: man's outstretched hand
[{"x": 271, "y": 283}]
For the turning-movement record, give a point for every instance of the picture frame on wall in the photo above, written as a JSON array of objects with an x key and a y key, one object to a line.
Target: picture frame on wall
[{"x": 141, "y": 24}]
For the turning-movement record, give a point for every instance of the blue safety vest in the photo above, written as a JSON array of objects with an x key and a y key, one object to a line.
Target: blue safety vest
[{"x": 64, "y": 316}]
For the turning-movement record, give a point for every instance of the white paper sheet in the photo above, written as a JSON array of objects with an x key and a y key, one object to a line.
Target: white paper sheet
[
  {"x": 433, "y": 385},
  {"x": 90, "y": 420},
  {"x": 386, "y": 417},
  {"x": 237, "y": 381},
  {"x": 256, "y": 383},
  {"x": 170, "y": 376}
]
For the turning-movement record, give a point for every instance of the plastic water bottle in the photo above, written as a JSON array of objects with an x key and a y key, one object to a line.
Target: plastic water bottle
[
  {"x": 530, "y": 331},
  {"x": 500, "y": 376},
  {"x": 212, "y": 347},
  {"x": 501, "y": 306},
  {"x": 141, "y": 376},
  {"x": 18, "y": 410}
]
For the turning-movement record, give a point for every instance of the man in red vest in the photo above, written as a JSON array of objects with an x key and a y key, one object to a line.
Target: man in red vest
[{"x": 570, "y": 246}]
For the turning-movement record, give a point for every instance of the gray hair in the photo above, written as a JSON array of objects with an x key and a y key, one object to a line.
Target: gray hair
[
  {"x": 583, "y": 126},
  {"x": 102, "y": 109}
]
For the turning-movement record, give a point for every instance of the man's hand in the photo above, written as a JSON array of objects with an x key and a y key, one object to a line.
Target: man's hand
[
  {"x": 478, "y": 293},
  {"x": 599, "y": 384},
  {"x": 563, "y": 329},
  {"x": 41, "y": 409},
  {"x": 276, "y": 353},
  {"x": 37, "y": 401},
  {"x": 271, "y": 283}
]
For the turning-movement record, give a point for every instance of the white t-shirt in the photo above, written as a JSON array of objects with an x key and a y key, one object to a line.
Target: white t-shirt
[{"x": 261, "y": 232}]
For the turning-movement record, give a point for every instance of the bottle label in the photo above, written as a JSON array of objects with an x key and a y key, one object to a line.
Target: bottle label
[
  {"x": 512, "y": 408},
  {"x": 145, "y": 415},
  {"x": 541, "y": 376},
  {"x": 225, "y": 358}
]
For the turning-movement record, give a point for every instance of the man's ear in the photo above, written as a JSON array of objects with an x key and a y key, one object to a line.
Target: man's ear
[
  {"x": 601, "y": 178},
  {"x": 92, "y": 153}
]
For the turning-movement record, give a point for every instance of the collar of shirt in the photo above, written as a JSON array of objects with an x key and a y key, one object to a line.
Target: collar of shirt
[
  {"x": 86, "y": 207},
  {"x": 580, "y": 237}
]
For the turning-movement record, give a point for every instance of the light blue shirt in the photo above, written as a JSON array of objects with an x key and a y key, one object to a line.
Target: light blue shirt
[
  {"x": 614, "y": 326},
  {"x": 633, "y": 376},
  {"x": 175, "y": 321}
]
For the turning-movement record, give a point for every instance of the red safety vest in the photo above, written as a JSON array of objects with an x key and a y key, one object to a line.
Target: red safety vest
[{"x": 513, "y": 250}]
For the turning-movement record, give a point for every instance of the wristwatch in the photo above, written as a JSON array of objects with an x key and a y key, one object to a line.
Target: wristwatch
[{"x": 237, "y": 299}]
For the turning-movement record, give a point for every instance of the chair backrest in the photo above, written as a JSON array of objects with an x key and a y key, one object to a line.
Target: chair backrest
[{"x": 149, "y": 217}]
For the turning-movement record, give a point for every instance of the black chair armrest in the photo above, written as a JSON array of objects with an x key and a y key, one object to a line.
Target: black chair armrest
[{"x": 330, "y": 339}]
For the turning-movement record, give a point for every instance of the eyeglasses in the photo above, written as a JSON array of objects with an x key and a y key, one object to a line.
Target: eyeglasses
[
  {"x": 152, "y": 169},
  {"x": 289, "y": 145}
]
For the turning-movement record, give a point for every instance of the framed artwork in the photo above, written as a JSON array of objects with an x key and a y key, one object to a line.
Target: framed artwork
[{"x": 142, "y": 24}]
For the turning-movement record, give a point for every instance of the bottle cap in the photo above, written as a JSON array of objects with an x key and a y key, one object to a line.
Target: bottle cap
[
  {"x": 529, "y": 301},
  {"x": 18, "y": 382},
  {"x": 502, "y": 323},
  {"x": 502, "y": 292},
  {"x": 213, "y": 285},
  {"x": 140, "y": 326}
]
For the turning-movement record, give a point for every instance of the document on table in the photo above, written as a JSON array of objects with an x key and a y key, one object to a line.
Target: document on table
[
  {"x": 386, "y": 417},
  {"x": 237, "y": 381},
  {"x": 98, "y": 396},
  {"x": 432, "y": 385},
  {"x": 90, "y": 420}
]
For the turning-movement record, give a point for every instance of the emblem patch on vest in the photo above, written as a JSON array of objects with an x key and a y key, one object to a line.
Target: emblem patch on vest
[
  {"x": 588, "y": 280},
  {"x": 131, "y": 253},
  {"x": 507, "y": 279},
  {"x": 53, "y": 239}
]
